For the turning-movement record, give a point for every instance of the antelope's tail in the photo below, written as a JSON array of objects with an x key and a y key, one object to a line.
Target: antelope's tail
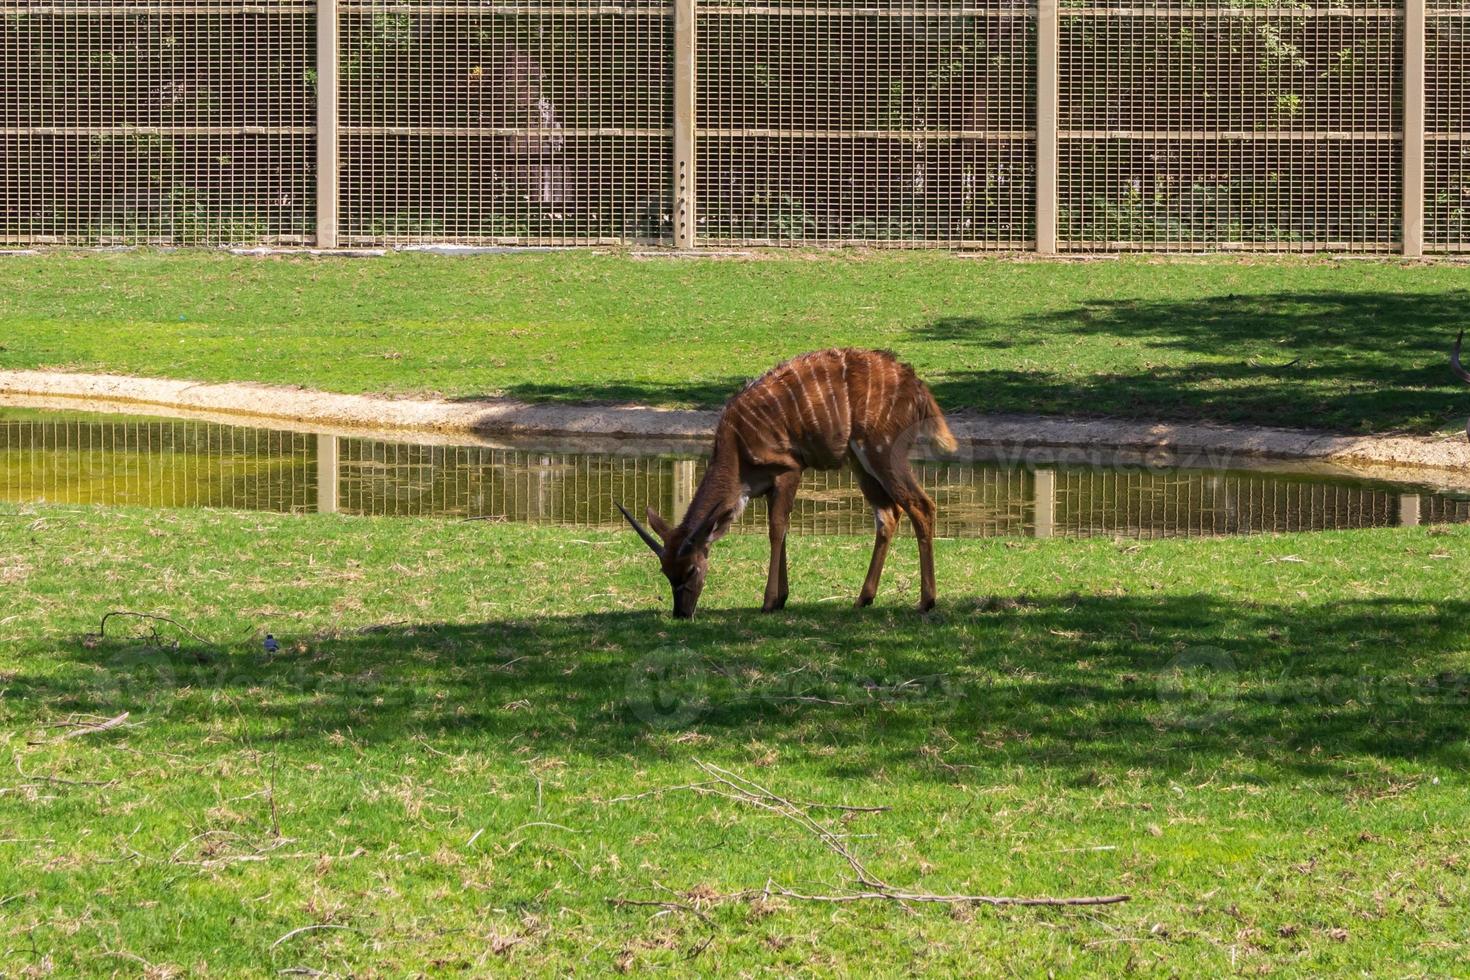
[{"x": 931, "y": 420}]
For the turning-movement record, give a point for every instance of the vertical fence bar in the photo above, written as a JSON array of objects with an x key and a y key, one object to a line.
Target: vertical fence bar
[
  {"x": 328, "y": 474},
  {"x": 1409, "y": 510},
  {"x": 1413, "y": 203},
  {"x": 1045, "y": 506},
  {"x": 683, "y": 488},
  {"x": 1047, "y": 43},
  {"x": 327, "y": 162},
  {"x": 684, "y": 123}
]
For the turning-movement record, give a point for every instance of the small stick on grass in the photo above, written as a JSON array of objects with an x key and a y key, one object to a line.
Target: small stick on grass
[
  {"x": 102, "y": 628},
  {"x": 300, "y": 929},
  {"x": 796, "y": 814},
  {"x": 673, "y": 907},
  {"x": 893, "y": 895},
  {"x": 101, "y": 726},
  {"x": 873, "y": 887},
  {"x": 705, "y": 787},
  {"x": 59, "y": 780}
]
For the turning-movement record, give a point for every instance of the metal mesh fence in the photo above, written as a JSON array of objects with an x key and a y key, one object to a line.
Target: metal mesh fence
[
  {"x": 545, "y": 122},
  {"x": 1447, "y": 126},
  {"x": 1173, "y": 124},
  {"x": 1208, "y": 125},
  {"x": 873, "y": 123},
  {"x": 174, "y": 121}
]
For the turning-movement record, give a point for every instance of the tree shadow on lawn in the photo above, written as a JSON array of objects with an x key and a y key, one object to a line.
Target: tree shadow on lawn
[
  {"x": 707, "y": 393},
  {"x": 1347, "y": 361},
  {"x": 1354, "y": 362},
  {"x": 1168, "y": 685}
]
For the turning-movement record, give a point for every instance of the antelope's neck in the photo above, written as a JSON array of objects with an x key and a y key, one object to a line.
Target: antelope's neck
[{"x": 721, "y": 492}]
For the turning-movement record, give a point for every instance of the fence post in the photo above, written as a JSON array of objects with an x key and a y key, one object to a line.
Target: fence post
[
  {"x": 683, "y": 488},
  {"x": 1413, "y": 196},
  {"x": 684, "y": 121},
  {"x": 1044, "y": 524},
  {"x": 326, "y": 124},
  {"x": 1047, "y": 43},
  {"x": 1408, "y": 510},
  {"x": 328, "y": 474}
]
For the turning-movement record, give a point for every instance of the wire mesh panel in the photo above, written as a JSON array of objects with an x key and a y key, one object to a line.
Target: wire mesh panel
[
  {"x": 1213, "y": 125},
  {"x": 856, "y": 122},
  {"x": 546, "y": 121},
  {"x": 1447, "y": 125},
  {"x": 174, "y": 121},
  {"x": 1182, "y": 124}
]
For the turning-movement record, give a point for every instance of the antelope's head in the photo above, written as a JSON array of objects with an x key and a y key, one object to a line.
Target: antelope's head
[{"x": 683, "y": 555}]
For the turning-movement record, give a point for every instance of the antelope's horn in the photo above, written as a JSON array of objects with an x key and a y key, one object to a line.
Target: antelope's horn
[
  {"x": 648, "y": 539},
  {"x": 1460, "y": 372}
]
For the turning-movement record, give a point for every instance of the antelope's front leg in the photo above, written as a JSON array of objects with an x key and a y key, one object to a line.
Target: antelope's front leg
[{"x": 779, "y": 502}]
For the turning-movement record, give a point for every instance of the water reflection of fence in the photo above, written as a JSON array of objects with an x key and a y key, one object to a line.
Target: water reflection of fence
[
  {"x": 182, "y": 464},
  {"x": 155, "y": 464},
  {"x": 1164, "y": 504},
  {"x": 379, "y": 478},
  {"x": 383, "y": 478}
]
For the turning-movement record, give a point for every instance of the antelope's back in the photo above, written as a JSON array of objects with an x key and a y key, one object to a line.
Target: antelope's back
[
  {"x": 800, "y": 408},
  {"x": 815, "y": 405},
  {"x": 887, "y": 397}
]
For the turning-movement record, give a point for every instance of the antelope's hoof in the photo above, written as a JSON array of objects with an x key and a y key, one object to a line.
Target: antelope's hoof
[
  {"x": 863, "y": 601},
  {"x": 926, "y": 605}
]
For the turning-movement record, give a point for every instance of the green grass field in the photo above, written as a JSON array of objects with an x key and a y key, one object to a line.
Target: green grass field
[
  {"x": 1356, "y": 346},
  {"x": 426, "y": 776}
]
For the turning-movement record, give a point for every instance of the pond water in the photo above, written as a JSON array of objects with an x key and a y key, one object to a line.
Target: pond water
[{"x": 77, "y": 458}]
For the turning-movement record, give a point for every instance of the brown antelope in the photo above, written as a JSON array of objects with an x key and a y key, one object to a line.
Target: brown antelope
[{"x": 817, "y": 410}]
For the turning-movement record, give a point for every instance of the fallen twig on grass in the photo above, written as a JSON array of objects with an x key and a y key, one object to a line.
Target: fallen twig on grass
[
  {"x": 300, "y": 929},
  {"x": 764, "y": 798},
  {"x": 673, "y": 907},
  {"x": 63, "y": 782},
  {"x": 729, "y": 784},
  {"x": 707, "y": 787},
  {"x": 545, "y": 823},
  {"x": 80, "y": 728},
  {"x": 894, "y": 895},
  {"x": 128, "y": 613},
  {"x": 101, "y": 726}
]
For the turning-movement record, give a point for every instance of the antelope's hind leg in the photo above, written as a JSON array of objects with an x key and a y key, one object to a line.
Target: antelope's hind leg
[
  {"x": 885, "y": 522},
  {"x": 778, "y": 506},
  {"x": 921, "y": 510}
]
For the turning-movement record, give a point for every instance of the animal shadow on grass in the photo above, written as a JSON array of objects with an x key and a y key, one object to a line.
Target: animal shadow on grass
[{"x": 1071, "y": 684}]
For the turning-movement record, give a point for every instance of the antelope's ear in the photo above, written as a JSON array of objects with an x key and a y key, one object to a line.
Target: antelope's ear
[
  {"x": 659, "y": 525},
  {"x": 700, "y": 536}
]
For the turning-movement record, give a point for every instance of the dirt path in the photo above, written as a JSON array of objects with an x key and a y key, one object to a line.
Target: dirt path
[{"x": 1443, "y": 460}]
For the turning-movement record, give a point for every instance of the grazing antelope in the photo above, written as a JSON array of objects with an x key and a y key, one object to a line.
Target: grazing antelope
[
  {"x": 817, "y": 410},
  {"x": 1460, "y": 372}
]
